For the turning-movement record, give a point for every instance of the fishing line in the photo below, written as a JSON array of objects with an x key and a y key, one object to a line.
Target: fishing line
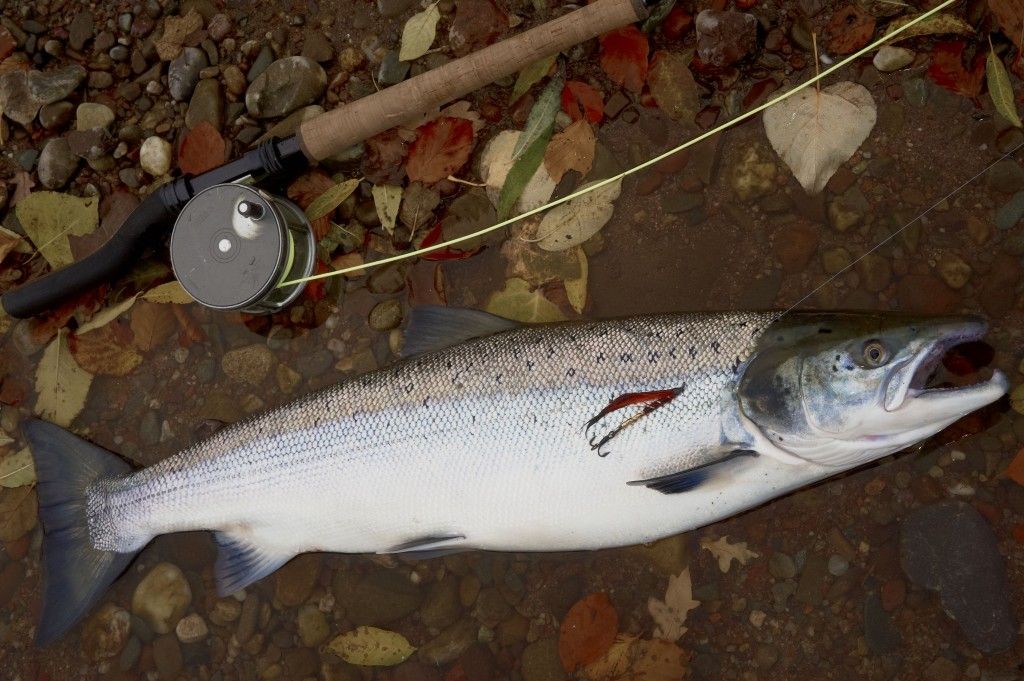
[
  {"x": 899, "y": 231},
  {"x": 888, "y": 37}
]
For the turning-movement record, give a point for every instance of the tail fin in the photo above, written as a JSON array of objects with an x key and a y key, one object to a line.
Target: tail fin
[{"x": 76, "y": 575}]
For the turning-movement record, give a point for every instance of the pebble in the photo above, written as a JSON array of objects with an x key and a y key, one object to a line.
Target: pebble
[
  {"x": 314, "y": 364},
  {"x": 392, "y": 8},
  {"x": 1006, "y": 177},
  {"x": 810, "y": 589},
  {"x": 386, "y": 315},
  {"x": 441, "y": 606},
  {"x": 379, "y": 597},
  {"x": 57, "y": 164},
  {"x": 263, "y": 60},
  {"x": 848, "y": 210},
  {"x": 11, "y": 577},
  {"x": 392, "y": 70},
  {"x": 247, "y": 618},
  {"x": 754, "y": 175},
  {"x": 285, "y": 86},
  {"x": 312, "y": 626},
  {"x": 155, "y": 156},
  {"x": 317, "y": 47},
  {"x": 950, "y": 548},
  {"x": 294, "y": 582},
  {"x": 880, "y": 634},
  {"x": 925, "y": 294},
  {"x": 781, "y": 566},
  {"x": 191, "y": 629},
  {"x": 47, "y": 87},
  {"x": 207, "y": 104},
  {"x": 953, "y": 270},
  {"x": 167, "y": 657},
  {"x": 469, "y": 589},
  {"x": 234, "y": 80},
  {"x": 162, "y": 597},
  {"x": 56, "y": 115},
  {"x": 1011, "y": 212},
  {"x": 130, "y": 654},
  {"x": 723, "y": 38},
  {"x": 183, "y": 72},
  {"x": 837, "y": 565},
  {"x": 875, "y": 271},
  {"x": 541, "y": 662},
  {"x": 891, "y": 58},
  {"x": 450, "y": 644},
  {"x": 795, "y": 244},
  {"x": 225, "y": 611},
  {"x": 218, "y": 27},
  {"x": 80, "y": 30},
  {"x": 106, "y": 632},
  {"x": 765, "y": 656}
]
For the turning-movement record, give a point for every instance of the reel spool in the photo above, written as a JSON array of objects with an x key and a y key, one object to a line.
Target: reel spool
[{"x": 233, "y": 244}]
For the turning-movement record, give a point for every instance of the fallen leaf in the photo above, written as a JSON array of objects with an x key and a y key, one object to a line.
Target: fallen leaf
[
  {"x": 1000, "y": 90},
  {"x": 371, "y": 647},
  {"x": 383, "y": 162},
  {"x": 816, "y": 132},
  {"x": 104, "y": 352},
  {"x": 937, "y": 24},
  {"x": 518, "y": 302},
  {"x": 532, "y": 264},
  {"x": 530, "y": 76},
  {"x": 151, "y": 325},
  {"x": 418, "y": 204},
  {"x": 442, "y": 146},
  {"x": 673, "y": 87},
  {"x": 624, "y": 57},
  {"x": 576, "y": 289},
  {"x": 725, "y": 553},
  {"x": 495, "y": 163},
  {"x": 171, "y": 292},
  {"x": 947, "y": 69},
  {"x": 670, "y": 614},
  {"x": 202, "y": 148},
  {"x": 419, "y": 33},
  {"x": 632, "y": 659},
  {"x": 587, "y": 631},
  {"x": 17, "y": 469},
  {"x": 48, "y": 218},
  {"x": 23, "y": 184},
  {"x": 849, "y": 30},
  {"x": 176, "y": 29},
  {"x": 447, "y": 253},
  {"x": 580, "y": 101},
  {"x": 17, "y": 512},
  {"x": 616, "y": 663},
  {"x": 386, "y": 199},
  {"x": 61, "y": 384},
  {"x": 305, "y": 189},
  {"x": 329, "y": 200},
  {"x": 528, "y": 152},
  {"x": 571, "y": 149},
  {"x": 1010, "y": 16},
  {"x": 477, "y": 23},
  {"x": 1015, "y": 471},
  {"x": 106, "y": 315},
  {"x": 9, "y": 242},
  {"x": 573, "y": 222},
  {"x": 541, "y": 118}
]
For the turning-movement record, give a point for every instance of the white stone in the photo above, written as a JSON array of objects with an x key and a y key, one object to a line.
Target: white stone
[
  {"x": 155, "y": 156},
  {"x": 192, "y": 629},
  {"x": 162, "y": 597},
  {"x": 890, "y": 58}
]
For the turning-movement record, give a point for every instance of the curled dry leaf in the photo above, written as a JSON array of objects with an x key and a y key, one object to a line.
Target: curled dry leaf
[
  {"x": 371, "y": 647},
  {"x": 571, "y": 149},
  {"x": 580, "y": 101},
  {"x": 632, "y": 659},
  {"x": 817, "y": 132},
  {"x": 106, "y": 315},
  {"x": 326, "y": 203},
  {"x": 519, "y": 302},
  {"x": 442, "y": 146},
  {"x": 151, "y": 325},
  {"x": 61, "y": 385},
  {"x": 171, "y": 292},
  {"x": 850, "y": 29},
  {"x": 1010, "y": 16},
  {"x": 937, "y": 24},
  {"x": 17, "y": 469},
  {"x": 587, "y": 631},
  {"x": 1015, "y": 471},
  {"x": 386, "y": 199},
  {"x": 573, "y": 222},
  {"x": 10, "y": 242},
  {"x": 725, "y": 553},
  {"x": 419, "y": 33},
  {"x": 624, "y": 57},
  {"x": 105, "y": 351},
  {"x": 673, "y": 87},
  {"x": 50, "y": 217},
  {"x": 202, "y": 148},
  {"x": 670, "y": 614},
  {"x": 307, "y": 188},
  {"x": 176, "y": 29}
]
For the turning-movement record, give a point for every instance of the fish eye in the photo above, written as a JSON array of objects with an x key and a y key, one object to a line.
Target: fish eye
[{"x": 875, "y": 353}]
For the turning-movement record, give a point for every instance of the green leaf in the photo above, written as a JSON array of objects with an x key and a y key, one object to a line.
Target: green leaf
[
  {"x": 61, "y": 384},
  {"x": 17, "y": 469},
  {"x": 541, "y": 118},
  {"x": 419, "y": 33},
  {"x": 938, "y": 24},
  {"x": 50, "y": 217},
  {"x": 518, "y": 302},
  {"x": 657, "y": 15},
  {"x": 386, "y": 199},
  {"x": 1000, "y": 90},
  {"x": 371, "y": 647},
  {"x": 530, "y": 76},
  {"x": 331, "y": 199},
  {"x": 521, "y": 173}
]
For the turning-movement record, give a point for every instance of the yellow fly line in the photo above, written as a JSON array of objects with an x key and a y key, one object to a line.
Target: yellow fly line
[{"x": 635, "y": 169}]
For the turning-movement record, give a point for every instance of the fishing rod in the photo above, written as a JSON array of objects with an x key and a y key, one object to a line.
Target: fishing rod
[{"x": 235, "y": 245}]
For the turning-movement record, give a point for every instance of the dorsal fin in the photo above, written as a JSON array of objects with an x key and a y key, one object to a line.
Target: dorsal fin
[{"x": 435, "y": 327}]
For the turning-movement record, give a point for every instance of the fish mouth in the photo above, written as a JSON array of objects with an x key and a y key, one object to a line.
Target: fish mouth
[{"x": 926, "y": 380}]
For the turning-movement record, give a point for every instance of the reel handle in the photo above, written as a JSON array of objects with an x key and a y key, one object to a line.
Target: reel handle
[{"x": 331, "y": 132}]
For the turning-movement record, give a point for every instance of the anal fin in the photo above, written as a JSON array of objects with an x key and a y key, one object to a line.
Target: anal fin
[
  {"x": 241, "y": 562},
  {"x": 692, "y": 478}
]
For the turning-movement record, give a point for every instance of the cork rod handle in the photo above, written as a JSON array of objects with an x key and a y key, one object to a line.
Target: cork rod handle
[{"x": 333, "y": 131}]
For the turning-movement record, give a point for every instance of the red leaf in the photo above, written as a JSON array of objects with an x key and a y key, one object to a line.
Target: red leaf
[
  {"x": 678, "y": 22},
  {"x": 305, "y": 189},
  {"x": 624, "y": 57},
  {"x": 316, "y": 289},
  {"x": 577, "y": 94},
  {"x": 850, "y": 29},
  {"x": 588, "y": 631},
  {"x": 385, "y": 154},
  {"x": 446, "y": 253},
  {"x": 202, "y": 148},
  {"x": 442, "y": 147},
  {"x": 947, "y": 69}
]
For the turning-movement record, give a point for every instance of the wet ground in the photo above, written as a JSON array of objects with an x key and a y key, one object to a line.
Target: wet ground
[{"x": 844, "y": 581}]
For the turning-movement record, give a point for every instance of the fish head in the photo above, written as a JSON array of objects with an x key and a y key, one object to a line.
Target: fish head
[{"x": 840, "y": 389}]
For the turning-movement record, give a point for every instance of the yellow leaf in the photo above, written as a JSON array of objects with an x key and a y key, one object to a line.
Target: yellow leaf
[
  {"x": 670, "y": 614},
  {"x": 576, "y": 289},
  {"x": 50, "y": 217},
  {"x": 530, "y": 76},
  {"x": 371, "y": 647},
  {"x": 725, "y": 552},
  {"x": 615, "y": 663},
  {"x": 571, "y": 149},
  {"x": 17, "y": 469},
  {"x": 516, "y": 301},
  {"x": 101, "y": 352},
  {"x": 61, "y": 384},
  {"x": 387, "y": 198},
  {"x": 106, "y": 315},
  {"x": 573, "y": 222},
  {"x": 937, "y": 24},
  {"x": 171, "y": 292},
  {"x": 419, "y": 33},
  {"x": 331, "y": 199},
  {"x": 1000, "y": 90}
]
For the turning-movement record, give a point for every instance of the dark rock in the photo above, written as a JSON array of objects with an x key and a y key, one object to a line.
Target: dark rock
[
  {"x": 183, "y": 73},
  {"x": 392, "y": 70},
  {"x": 219, "y": 27},
  {"x": 378, "y": 597},
  {"x": 925, "y": 294},
  {"x": 11, "y": 578},
  {"x": 723, "y": 38},
  {"x": 541, "y": 661},
  {"x": 1006, "y": 177},
  {"x": 317, "y": 47},
  {"x": 100, "y": 80},
  {"x": 57, "y": 163},
  {"x": 795, "y": 244},
  {"x": 285, "y": 86},
  {"x": 57, "y": 115},
  {"x": 80, "y": 30},
  {"x": 295, "y": 581},
  {"x": 90, "y": 144},
  {"x": 441, "y": 606},
  {"x": 449, "y": 644},
  {"x": 1011, "y": 212},
  {"x": 264, "y": 59},
  {"x": 26, "y": 158},
  {"x": 207, "y": 104},
  {"x": 300, "y": 663},
  {"x": 949, "y": 547},
  {"x": 392, "y": 8},
  {"x": 248, "y": 619},
  {"x": 999, "y": 288},
  {"x": 880, "y": 633},
  {"x": 167, "y": 656},
  {"x": 811, "y": 588}
]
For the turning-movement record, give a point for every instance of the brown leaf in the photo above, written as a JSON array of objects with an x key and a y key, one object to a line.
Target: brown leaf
[
  {"x": 8, "y": 242},
  {"x": 442, "y": 146},
  {"x": 105, "y": 351},
  {"x": 571, "y": 149},
  {"x": 151, "y": 325},
  {"x": 17, "y": 512},
  {"x": 383, "y": 162},
  {"x": 1010, "y": 16},
  {"x": 305, "y": 189},
  {"x": 477, "y": 23},
  {"x": 1015, "y": 471},
  {"x": 176, "y": 29},
  {"x": 587, "y": 632},
  {"x": 850, "y": 29}
]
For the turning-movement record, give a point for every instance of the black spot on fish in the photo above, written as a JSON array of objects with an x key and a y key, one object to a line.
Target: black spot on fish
[
  {"x": 672, "y": 353},
  {"x": 693, "y": 352},
  {"x": 715, "y": 346},
  {"x": 570, "y": 373},
  {"x": 408, "y": 387},
  {"x": 626, "y": 357},
  {"x": 425, "y": 400},
  {"x": 529, "y": 365},
  {"x": 652, "y": 357},
  {"x": 497, "y": 378},
  {"x": 600, "y": 357}
]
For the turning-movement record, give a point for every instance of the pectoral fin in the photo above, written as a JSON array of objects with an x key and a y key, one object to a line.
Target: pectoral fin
[
  {"x": 691, "y": 478},
  {"x": 433, "y": 546}
]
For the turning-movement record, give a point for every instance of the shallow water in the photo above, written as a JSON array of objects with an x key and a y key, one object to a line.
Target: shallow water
[{"x": 826, "y": 596}]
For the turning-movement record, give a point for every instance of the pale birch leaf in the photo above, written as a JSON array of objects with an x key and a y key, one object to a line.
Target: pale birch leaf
[
  {"x": 61, "y": 384},
  {"x": 725, "y": 553},
  {"x": 419, "y": 33}
]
